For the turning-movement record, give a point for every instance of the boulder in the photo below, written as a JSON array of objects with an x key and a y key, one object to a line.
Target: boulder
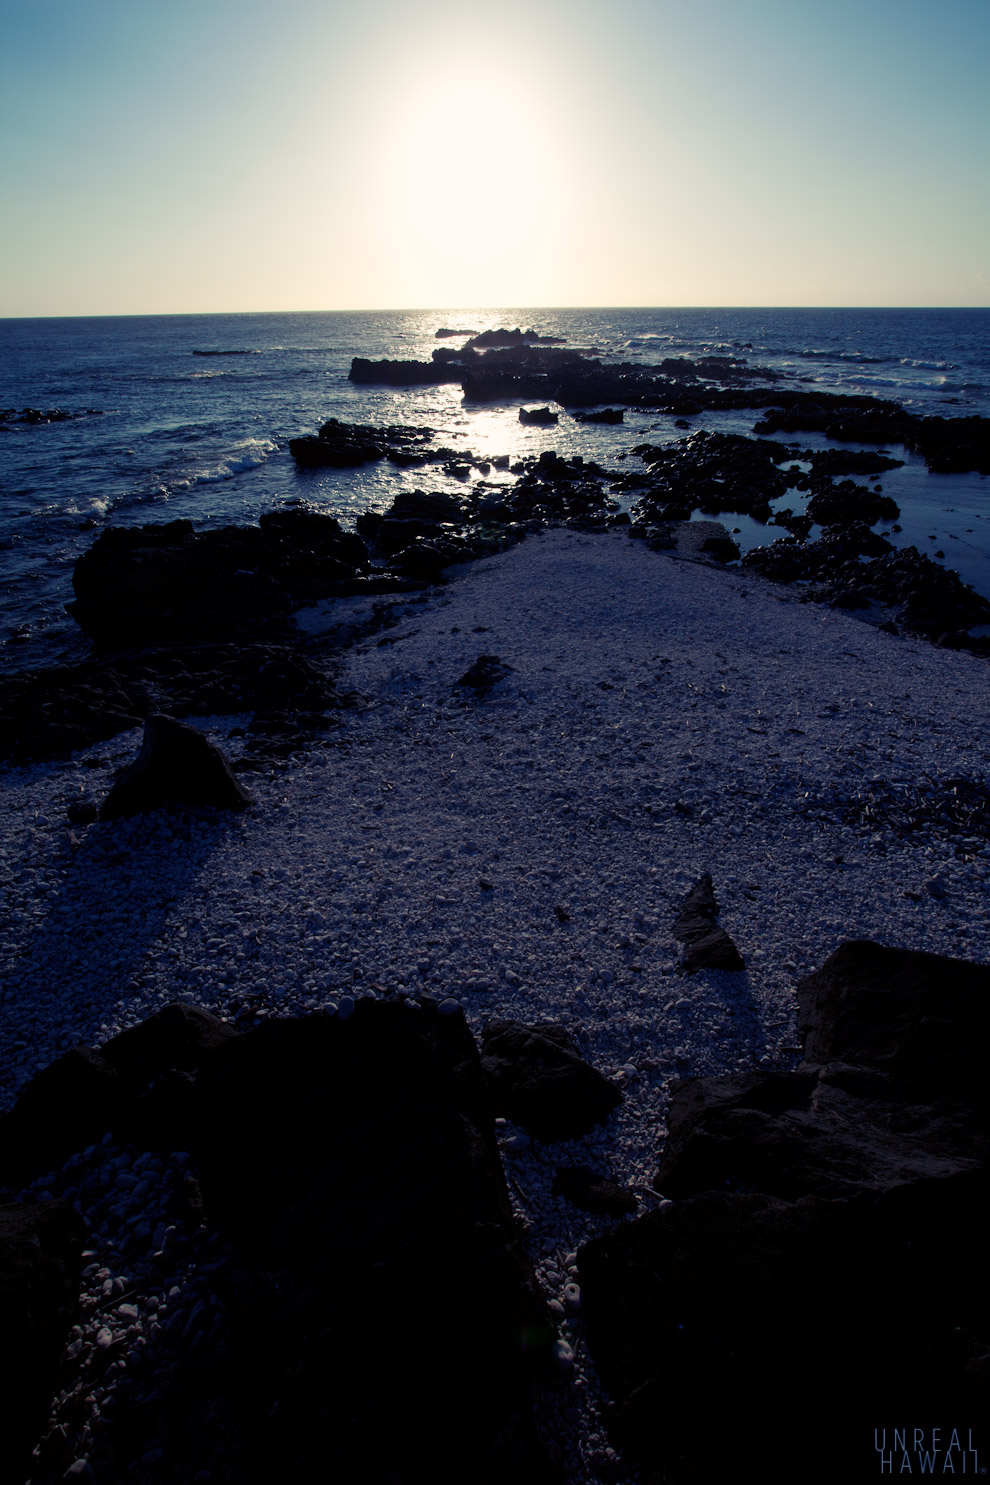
[
  {"x": 540, "y": 415},
  {"x": 176, "y": 765},
  {"x": 834, "y": 1132},
  {"x": 537, "y": 1078},
  {"x": 386, "y": 1301},
  {"x": 808, "y": 1206},
  {"x": 40, "y": 1253},
  {"x": 921, "y": 1019},
  {"x": 739, "y": 1327}
]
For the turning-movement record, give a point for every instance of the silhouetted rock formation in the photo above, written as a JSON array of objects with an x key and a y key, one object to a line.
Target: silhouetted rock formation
[
  {"x": 176, "y": 766},
  {"x": 831, "y": 1192}
]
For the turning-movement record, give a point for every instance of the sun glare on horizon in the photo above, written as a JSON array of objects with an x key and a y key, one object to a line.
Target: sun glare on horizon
[{"x": 473, "y": 188}]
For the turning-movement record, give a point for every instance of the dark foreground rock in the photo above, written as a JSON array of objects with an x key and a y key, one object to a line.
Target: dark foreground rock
[
  {"x": 765, "y": 1312},
  {"x": 40, "y": 1250},
  {"x": 536, "y": 1078},
  {"x": 381, "y": 1321},
  {"x": 392, "y": 1310}
]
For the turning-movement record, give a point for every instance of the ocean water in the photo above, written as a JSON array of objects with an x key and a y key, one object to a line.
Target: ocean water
[{"x": 191, "y": 415}]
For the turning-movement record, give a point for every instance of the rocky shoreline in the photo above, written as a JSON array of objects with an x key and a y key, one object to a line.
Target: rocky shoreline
[{"x": 583, "y": 994}]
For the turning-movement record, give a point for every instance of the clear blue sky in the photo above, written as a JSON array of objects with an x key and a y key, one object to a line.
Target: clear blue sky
[{"x": 198, "y": 155}]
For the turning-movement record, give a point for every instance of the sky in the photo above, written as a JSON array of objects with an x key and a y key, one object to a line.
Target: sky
[{"x": 187, "y": 156}]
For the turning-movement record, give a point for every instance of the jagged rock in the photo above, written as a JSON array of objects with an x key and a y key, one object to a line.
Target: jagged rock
[
  {"x": 729, "y": 1317},
  {"x": 68, "y": 1104},
  {"x": 706, "y": 945},
  {"x": 921, "y": 1019},
  {"x": 176, "y": 766},
  {"x": 539, "y": 415},
  {"x": 485, "y": 673},
  {"x": 593, "y": 1192},
  {"x": 789, "y": 1306},
  {"x": 722, "y": 548},
  {"x": 88, "y": 1091},
  {"x": 603, "y": 415},
  {"x": 177, "y": 1036},
  {"x": 537, "y": 1078},
  {"x": 354, "y": 1168},
  {"x": 155, "y": 584},
  {"x": 831, "y": 1132},
  {"x": 40, "y": 1251}
]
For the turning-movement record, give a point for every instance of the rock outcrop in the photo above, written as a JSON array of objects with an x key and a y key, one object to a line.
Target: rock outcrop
[
  {"x": 176, "y": 766},
  {"x": 819, "y": 1274},
  {"x": 537, "y": 1078}
]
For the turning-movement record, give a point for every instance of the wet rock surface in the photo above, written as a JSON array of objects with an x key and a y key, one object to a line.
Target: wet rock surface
[
  {"x": 843, "y": 1186},
  {"x": 47, "y": 713}
]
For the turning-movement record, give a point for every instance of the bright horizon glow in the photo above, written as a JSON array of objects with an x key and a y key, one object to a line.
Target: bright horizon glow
[{"x": 215, "y": 156}]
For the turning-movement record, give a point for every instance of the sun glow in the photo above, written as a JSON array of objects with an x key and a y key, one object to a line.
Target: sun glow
[{"x": 472, "y": 195}]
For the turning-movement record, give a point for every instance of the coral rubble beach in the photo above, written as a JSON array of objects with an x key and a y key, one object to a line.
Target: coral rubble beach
[{"x": 521, "y": 770}]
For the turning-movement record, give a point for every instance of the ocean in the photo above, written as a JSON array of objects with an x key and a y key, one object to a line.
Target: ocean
[{"x": 191, "y": 415}]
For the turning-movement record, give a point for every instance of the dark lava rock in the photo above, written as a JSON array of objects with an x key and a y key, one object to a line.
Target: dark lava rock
[
  {"x": 444, "y": 332},
  {"x": 513, "y": 339},
  {"x": 176, "y": 766},
  {"x": 715, "y": 472},
  {"x": 40, "y": 1253},
  {"x": 921, "y": 1019},
  {"x": 176, "y": 1037},
  {"x": 730, "y": 1328},
  {"x": 841, "y": 504},
  {"x": 403, "y": 373},
  {"x": 386, "y": 1302},
  {"x": 808, "y": 1205},
  {"x": 539, "y": 415},
  {"x": 930, "y": 600},
  {"x": 537, "y": 1078},
  {"x": 47, "y": 712},
  {"x": 485, "y": 673},
  {"x": 706, "y": 945},
  {"x": 88, "y": 1091},
  {"x": 603, "y": 415},
  {"x": 593, "y": 1192},
  {"x": 830, "y": 1132},
  {"x": 68, "y": 1104},
  {"x": 154, "y": 584}
]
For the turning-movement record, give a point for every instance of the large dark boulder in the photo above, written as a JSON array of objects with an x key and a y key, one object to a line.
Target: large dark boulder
[
  {"x": 40, "y": 1252},
  {"x": 833, "y": 1132},
  {"x": 922, "y": 1019},
  {"x": 159, "y": 584},
  {"x": 176, "y": 765},
  {"x": 739, "y": 1329},
  {"x": 387, "y": 1302},
  {"x": 537, "y": 1078},
  {"x": 767, "y": 1302}
]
